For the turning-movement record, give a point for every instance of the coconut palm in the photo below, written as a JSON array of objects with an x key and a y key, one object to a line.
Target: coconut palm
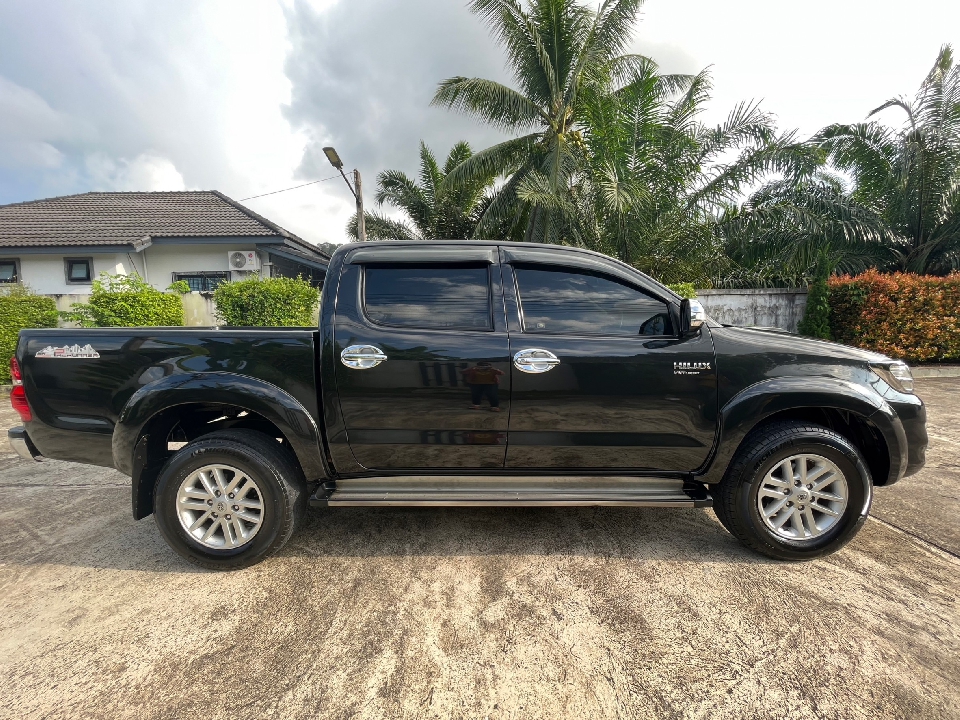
[
  {"x": 561, "y": 53},
  {"x": 433, "y": 208},
  {"x": 663, "y": 180},
  {"x": 612, "y": 154},
  {"x": 911, "y": 176}
]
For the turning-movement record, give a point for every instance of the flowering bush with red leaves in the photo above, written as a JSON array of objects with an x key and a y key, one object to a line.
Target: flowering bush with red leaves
[{"x": 906, "y": 316}]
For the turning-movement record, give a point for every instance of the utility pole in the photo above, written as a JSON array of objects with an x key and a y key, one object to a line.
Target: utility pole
[
  {"x": 361, "y": 223},
  {"x": 356, "y": 188}
]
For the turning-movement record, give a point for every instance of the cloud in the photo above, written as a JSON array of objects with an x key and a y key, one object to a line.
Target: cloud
[
  {"x": 145, "y": 172},
  {"x": 363, "y": 73}
]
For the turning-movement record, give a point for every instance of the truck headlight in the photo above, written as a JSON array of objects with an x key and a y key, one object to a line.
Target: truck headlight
[{"x": 896, "y": 374}]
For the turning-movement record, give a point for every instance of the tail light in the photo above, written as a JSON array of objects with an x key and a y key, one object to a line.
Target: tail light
[{"x": 18, "y": 396}]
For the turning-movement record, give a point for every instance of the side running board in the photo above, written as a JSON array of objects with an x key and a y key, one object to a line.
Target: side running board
[{"x": 517, "y": 491}]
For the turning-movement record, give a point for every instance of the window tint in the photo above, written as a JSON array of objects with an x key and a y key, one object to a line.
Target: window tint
[
  {"x": 441, "y": 297},
  {"x": 571, "y": 302}
]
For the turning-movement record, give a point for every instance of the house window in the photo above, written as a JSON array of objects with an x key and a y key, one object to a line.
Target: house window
[
  {"x": 9, "y": 271},
  {"x": 79, "y": 271},
  {"x": 203, "y": 281}
]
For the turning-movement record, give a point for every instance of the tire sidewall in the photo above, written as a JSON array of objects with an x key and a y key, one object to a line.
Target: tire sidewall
[
  {"x": 214, "y": 452},
  {"x": 835, "y": 449}
]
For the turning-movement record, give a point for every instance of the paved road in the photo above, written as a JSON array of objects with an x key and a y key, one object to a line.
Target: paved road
[{"x": 479, "y": 613}]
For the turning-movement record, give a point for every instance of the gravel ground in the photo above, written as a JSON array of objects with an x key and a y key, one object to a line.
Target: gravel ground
[{"x": 421, "y": 613}]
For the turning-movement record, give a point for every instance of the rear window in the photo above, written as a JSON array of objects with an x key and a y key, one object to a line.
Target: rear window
[{"x": 440, "y": 297}]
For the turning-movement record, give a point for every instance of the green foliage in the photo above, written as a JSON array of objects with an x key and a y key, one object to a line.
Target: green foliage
[
  {"x": 608, "y": 153},
  {"x": 126, "y": 301},
  {"x": 434, "y": 209},
  {"x": 181, "y": 287},
  {"x": 910, "y": 177},
  {"x": 270, "y": 302},
  {"x": 913, "y": 317},
  {"x": 19, "y": 309},
  {"x": 816, "y": 316},
  {"x": 614, "y": 157},
  {"x": 684, "y": 290}
]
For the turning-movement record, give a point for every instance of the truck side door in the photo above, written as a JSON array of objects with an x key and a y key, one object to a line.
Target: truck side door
[
  {"x": 600, "y": 377},
  {"x": 440, "y": 395}
]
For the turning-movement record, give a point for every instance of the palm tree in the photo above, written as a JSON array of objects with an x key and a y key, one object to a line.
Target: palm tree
[
  {"x": 663, "y": 181},
  {"x": 910, "y": 177},
  {"x": 612, "y": 154},
  {"x": 560, "y": 53},
  {"x": 433, "y": 208},
  {"x": 794, "y": 231}
]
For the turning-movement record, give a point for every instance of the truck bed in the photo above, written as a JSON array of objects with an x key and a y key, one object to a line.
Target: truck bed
[{"x": 80, "y": 380}]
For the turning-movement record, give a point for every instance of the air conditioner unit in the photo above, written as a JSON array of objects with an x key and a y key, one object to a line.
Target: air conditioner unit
[{"x": 243, "y": 260}]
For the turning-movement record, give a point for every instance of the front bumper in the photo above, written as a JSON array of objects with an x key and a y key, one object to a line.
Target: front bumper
[
  {"x": 21, "y": 444},
  {"x": 914, "y": 419}
]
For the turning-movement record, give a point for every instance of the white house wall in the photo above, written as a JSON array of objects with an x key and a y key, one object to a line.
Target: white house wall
[
  {"x": 164, "y": 260},
  {"x": 45, "y": 273}
]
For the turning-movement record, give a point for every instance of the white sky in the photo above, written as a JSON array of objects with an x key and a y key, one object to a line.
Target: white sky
[{"x": 239, "y": 95}]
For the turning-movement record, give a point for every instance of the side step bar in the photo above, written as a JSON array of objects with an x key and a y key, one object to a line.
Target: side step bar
[{"x": 517, "y": 491}]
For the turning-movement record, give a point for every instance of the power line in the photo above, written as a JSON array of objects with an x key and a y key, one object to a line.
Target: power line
[{"x": 313, "y": 182}]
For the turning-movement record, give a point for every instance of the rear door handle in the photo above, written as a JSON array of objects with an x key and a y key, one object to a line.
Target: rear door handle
[
  {"x": 535, "y": 360},
  {"x": 362, "y": 357}
]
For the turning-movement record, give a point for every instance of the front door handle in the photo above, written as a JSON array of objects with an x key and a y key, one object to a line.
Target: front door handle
[
  {"x": 535, "y": 360},
  {"x": 362, "y": 357}
]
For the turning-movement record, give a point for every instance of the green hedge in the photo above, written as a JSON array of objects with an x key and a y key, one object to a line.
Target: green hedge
[
  {"x": 684, "y": 290},
  {"x": 269, "y": 302},
  {"x": 126, "y": 301},
  {"x": 912, "y": 317},
  {"x": 19, "y": 309}
]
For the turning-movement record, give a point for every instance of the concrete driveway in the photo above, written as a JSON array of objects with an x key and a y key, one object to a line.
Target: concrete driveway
[{"x": 423, "y": 613}]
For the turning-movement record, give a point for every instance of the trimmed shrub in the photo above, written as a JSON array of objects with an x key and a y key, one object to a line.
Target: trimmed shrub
[
  {"x": 906, "y": 316},
  {"x": 684, "y": 290},
  {"x": 19, "y": 309},
  {"x": 268, "y": 302},
  {"x": 126, "y": 301},
  {"x": 816, "y": 316}
]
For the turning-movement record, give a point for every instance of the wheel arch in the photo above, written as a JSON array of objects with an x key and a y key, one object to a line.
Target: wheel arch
[
  {"x": 200, "y": 403},
  {"x": 860, "y": 415}
]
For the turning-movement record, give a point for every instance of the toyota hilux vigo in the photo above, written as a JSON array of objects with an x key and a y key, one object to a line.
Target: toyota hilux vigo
[{"x": 474, "y": 374}]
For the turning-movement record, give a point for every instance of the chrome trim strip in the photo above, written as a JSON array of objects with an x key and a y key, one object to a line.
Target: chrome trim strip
[{"x": 333, "y": 501}]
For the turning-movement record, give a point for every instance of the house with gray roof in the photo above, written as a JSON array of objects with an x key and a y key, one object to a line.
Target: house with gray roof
[{"x": 58, "y": 246}]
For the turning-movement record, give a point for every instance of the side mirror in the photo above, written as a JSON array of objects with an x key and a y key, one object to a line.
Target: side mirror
[{"x": 692, "y": 316}]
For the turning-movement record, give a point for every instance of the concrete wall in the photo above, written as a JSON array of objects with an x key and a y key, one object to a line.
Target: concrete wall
[
  {"x": 767, "y": 307},
  {"x": 199, "y": 310}
]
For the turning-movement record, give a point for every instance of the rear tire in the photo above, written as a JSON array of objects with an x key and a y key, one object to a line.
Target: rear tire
[
  {"x": 795, "y": 491},
  {"x": 229, "y": 499}
]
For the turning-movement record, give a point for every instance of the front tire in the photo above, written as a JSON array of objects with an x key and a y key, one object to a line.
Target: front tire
[
  {"x": 229, "y": 499},
  {"x": 795, "y": 491}
]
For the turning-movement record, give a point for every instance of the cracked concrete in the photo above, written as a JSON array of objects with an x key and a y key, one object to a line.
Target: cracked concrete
[{"x": 540, "y": 612}]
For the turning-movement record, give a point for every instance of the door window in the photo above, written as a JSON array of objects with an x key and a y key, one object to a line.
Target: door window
[
  {"x": 442, "y": 297},
  {"x": 563, "y": 301}
]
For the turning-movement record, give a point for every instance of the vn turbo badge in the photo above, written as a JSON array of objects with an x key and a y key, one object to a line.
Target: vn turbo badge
[
  {"x": 68, "y": 351},
  {"x": 689, "y": 368}
]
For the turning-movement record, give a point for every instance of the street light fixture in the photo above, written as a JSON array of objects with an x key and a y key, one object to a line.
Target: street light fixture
[{"x": 356, "y": 189}]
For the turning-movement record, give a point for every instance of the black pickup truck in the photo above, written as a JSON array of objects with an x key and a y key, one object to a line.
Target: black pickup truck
[{"x": 469, "y": 374}]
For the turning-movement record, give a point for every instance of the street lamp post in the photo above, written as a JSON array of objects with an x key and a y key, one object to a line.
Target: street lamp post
[{"x": 356, "y": 189}]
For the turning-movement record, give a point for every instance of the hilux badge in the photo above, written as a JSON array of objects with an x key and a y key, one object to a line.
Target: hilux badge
[
  {"x": 689, "y": 368},
  {"x": 68, "y": 351}
]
